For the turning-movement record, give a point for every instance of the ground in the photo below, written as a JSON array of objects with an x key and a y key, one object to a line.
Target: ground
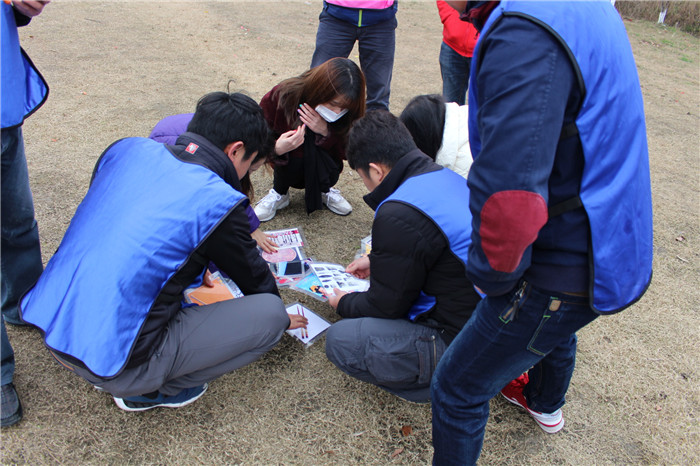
[{"x": 116, "y": 68}]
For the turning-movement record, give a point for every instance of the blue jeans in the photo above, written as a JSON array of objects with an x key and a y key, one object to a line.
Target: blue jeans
[
  {"x": 455, "y": 74},
  {"x": 506, "y": 336},
  {"x": 336, "y": 38},
  {"x": 397, "y": 355},
  {"x": 8, "y": 356},
  {"x": 19, "y": 251}
]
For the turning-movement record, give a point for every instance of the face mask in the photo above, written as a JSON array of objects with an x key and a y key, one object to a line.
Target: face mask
[{"x": 329, "y": 115}]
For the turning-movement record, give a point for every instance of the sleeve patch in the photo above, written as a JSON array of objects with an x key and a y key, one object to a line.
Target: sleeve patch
[{"x": 510, "y": 222}]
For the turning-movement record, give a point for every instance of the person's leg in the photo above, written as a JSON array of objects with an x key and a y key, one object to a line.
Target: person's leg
[
  {"x": 504, "y": 338},
  {"x": 455, "y": 75},
  {"x": 290, "y": 175},
  {"x": 8, "y": 357},
  {"x": 11, "y": 408},
  {"x": 334, "y": 38},
  {"x": 377, "y": 44},
  {"x": 203, "y": 343},
  {"x": 396, "y": 355},
  {"x": 549, "y": 379},
  {"x": 20, "y": 255},
  {"x": 284, "y": 177}
]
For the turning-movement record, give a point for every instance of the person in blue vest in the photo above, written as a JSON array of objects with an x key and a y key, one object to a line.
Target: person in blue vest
[
  {"x": 170, "y": 128},
  {"x": 110, "y": 302},
  {"x": 560, "y": 198},
  {"x": 419, "y": 298},
  {"x": 23, "y": 91}
]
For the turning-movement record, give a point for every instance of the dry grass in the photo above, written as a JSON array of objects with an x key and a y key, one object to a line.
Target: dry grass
[
  {"x": 683, "y": 15},
  {"x": 117, "y": 68}
]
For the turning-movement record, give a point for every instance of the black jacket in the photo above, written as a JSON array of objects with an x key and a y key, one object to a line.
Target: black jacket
[
  {"x": 229, "y": 246},
  {"x": 409, "y": 254}
]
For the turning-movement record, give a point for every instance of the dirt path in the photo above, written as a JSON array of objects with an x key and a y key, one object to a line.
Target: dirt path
[{"x": 116, "y": 68}]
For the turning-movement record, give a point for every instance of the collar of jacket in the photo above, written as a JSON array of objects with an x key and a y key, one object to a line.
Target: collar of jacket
[
  {"x": 478, "y": 12},
  {"x": 207, "y": 155},
  {"x": 412, "y": 164}
]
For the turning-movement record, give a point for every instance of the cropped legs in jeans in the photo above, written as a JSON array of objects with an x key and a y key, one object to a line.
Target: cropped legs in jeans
[
  {"x": 203, "y": 343},
  {"x": 20, "y": 255},
  {"x": 377, "y": 43},
  {"x": 454, "y": 69},
  {"x": 504, "y": 338},
  {"x": 397, "y": 355}
]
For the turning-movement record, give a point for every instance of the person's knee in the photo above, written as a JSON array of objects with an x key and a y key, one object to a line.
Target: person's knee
[
  {"x": 270, "y": 308},
  {"x": 340, "y": 341}
]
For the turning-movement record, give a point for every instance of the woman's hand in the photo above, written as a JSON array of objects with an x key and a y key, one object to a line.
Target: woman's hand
[
  {"x": 297, "y": 321},
  {"x": 264, "y": 242},
  {"x": 313, "y": 120},
  {"x": 290, "y": 140},
  {"x": 359, "y": 267}
]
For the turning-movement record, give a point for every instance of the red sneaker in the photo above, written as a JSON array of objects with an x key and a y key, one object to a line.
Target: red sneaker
[{"x": 549, "y": 422}]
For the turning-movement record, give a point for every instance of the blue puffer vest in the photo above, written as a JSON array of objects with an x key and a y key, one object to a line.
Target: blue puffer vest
[
  {"x": 23, "y": 89},
  {"x": 456, "y": 224},
  {"x": 145, "y": 214},
  {"x": 615, "y": 188}
]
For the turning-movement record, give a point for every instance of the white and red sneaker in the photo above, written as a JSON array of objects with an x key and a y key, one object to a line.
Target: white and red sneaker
[{"x": 549, "y": 422}]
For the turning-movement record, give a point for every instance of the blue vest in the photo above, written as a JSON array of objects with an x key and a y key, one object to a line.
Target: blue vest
[
  {"x": 421, "y": 193},
  {"x": 22, "y": 90},
  {"x": 145, "y": 213},
  {"x": 615, "y": 187}
]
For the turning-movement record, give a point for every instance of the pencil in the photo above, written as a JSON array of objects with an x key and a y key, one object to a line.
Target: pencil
[{"x": 304, "y": 331}]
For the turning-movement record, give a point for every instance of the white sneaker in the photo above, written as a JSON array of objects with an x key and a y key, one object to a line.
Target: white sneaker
[
  {"x": 266, "y": 208},
  {"x": 335, "y": 202}
]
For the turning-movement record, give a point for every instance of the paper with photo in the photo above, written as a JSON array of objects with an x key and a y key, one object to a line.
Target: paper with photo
[
  {"x": 311, "y": 286},
  {"x": 288, "y": 238},
  {"x": 334, "y": 276}
]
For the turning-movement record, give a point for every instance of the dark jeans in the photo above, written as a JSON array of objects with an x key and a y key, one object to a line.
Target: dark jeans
[
  {"x": 19, "y": 252},
  {"x": 336, "y": 38},
  {"x": 8, "y": 356},
  {"x": 498, "y": 344},
  {"x": 397, "y": 355},
  {"x": 455, "y": 74}
]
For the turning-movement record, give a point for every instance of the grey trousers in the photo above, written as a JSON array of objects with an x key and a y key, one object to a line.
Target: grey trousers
[
  {"x": 201, "y": 344},
  {"x": 397, "y": 355}
]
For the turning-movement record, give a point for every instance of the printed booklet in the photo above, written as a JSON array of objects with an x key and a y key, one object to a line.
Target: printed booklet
[
  {"x": 289, "y": 263},
  {"x": 324, "y": 277}
]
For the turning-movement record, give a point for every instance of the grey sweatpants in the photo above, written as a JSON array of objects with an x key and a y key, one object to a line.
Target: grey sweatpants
[
  {"x": 201, "y": 344},
  {"x": 394, "y": 354}
]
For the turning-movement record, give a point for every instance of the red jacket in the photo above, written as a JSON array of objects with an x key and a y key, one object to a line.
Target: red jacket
[{"x": 460, "y": 35}]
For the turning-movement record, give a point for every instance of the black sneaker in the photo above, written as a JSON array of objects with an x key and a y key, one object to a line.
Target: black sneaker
[
  {"x": 11, "y": 407},
  {"x": 144, "y": 403}
]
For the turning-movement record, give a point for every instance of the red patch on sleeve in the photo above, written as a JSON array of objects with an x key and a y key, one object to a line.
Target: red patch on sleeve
[{"x": 510, "y": 222}]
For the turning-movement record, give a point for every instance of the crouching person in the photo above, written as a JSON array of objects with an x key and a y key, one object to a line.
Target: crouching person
[
  {"x": 419, "y": 297},
  {"x": 109, "y": 303}
]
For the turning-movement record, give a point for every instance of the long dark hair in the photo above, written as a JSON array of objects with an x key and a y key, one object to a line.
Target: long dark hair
[
  {"x": 424, "y": 116},
  {"x": 338, "y": 77}
]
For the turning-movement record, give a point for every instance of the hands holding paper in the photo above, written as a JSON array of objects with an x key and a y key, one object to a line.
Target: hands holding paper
[
  {"x": 334, "y": 299},
  {"x": 359, "y": 267}
]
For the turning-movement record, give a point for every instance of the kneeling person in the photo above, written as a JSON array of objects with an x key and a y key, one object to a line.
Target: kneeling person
[
  {"x": 109, "y": 303},
  {"x": 419, "y": 296}
]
